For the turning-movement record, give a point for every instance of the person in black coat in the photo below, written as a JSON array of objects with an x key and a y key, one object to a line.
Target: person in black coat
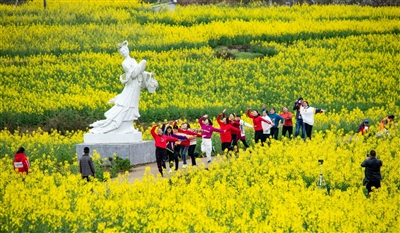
[
  {"x": 86, "y": 166},
  {"x": 372, "y": 171}
]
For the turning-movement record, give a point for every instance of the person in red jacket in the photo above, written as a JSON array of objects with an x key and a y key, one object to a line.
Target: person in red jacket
[
  {"x": 21, "y": 162},
  {"x": 229, "y": 130},
  {"x": 161, "y": 146},
  {"x": 257, "y": 119}
]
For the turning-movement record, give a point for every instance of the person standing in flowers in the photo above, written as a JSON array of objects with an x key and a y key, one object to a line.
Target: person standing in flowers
[
  {"x": 86, "y": 167},
  {"x": 308, "y": 114},
  {"x": 226, "y": 137},
  {"x": 206, "y": 133},
  {"x": 276, "y": 121},
  {"x": 266, "y": 128},
  {"x": 119, "y": 119},
  {"x": 364, "y": 127},
  {"x": 235, "y": 134},
  {"x": 257, "y": 119},
  {"x": 185, "y": 129},
  {"x": 372, "y": 171},
  {"x": 171, "y": 152},
  {"x": 299, "y": 119},
  {"x": 161, "y": 141},
  {"x": 287, "y": 123},
  {"x": 185, "y": 145},
  {"x": 21, "y": 163},
  {"x": 242, "y": 131}
]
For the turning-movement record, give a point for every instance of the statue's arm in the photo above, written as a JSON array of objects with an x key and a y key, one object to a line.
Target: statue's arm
[{"x": 137, "y": 69}]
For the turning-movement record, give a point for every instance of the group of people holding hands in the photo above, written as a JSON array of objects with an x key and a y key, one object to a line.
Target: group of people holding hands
[{"x": 173, "y": 142}]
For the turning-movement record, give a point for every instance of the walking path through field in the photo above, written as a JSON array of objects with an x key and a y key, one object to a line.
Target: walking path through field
[{"x": 138, "y": 171}]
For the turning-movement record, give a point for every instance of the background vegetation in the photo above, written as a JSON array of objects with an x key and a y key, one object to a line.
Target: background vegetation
[{"x": 60, "y": 66}]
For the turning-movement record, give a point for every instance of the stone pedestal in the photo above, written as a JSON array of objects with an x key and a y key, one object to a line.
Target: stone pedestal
[
  {"x": 113, "y": 138},
  {"x": 140, "y": 152}
]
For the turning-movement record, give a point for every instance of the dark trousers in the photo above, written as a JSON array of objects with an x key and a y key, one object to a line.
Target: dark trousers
[
  {"x": 243, "y": 139},
  {"x": 86, "y": 177},
  {"x": 258, "y": 136},
  {"x": 172, "y": 157},
  {"x": 226, "y": 145},
  {"x": 234, "y": 141},
  {"x": 288, "y": 129},
  {"x": 161, "y": 154},
  {"x": 308, "y": 130},
  {"x": 191, "y": 154},
  {"x": 376, "y": 184},
  {"x": 265, "y": 138},
  {"x": 275, "y": 133}
]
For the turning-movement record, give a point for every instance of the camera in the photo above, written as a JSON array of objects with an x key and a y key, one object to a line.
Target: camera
[{"x": 320, "y": 161}]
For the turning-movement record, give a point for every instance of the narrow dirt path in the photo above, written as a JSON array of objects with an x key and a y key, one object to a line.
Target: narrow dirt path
[{"x": 138, "y": 171}]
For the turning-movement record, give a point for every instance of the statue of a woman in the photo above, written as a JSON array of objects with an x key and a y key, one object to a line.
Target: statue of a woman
[{"x": 119, "y": 119}]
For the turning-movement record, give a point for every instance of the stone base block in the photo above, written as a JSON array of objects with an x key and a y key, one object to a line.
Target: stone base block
[
  {"x": 138, "y": 152},
  {"x": 112, "y": 138}
]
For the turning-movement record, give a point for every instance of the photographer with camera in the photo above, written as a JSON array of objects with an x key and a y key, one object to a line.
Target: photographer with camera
[{"x": 372, "y": 171}]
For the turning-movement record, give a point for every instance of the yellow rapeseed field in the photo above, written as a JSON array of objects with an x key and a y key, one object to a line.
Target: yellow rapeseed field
[{"x": 63, "y": 62}]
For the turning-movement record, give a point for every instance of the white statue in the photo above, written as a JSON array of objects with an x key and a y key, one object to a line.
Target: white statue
[{"x": 119, "y": 119}]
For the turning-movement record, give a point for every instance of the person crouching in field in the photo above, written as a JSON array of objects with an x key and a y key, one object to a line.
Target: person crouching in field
[
  {"x": 226, "y": 137},
  {"x": 161, "y": 146},
  {"x": 206, "y": 132},
  {"x": 364, "y": 127},
  {"x": 21, "y": 163}
]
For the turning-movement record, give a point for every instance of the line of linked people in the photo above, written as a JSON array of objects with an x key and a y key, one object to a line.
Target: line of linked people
[{"x": 173, "y": 142}]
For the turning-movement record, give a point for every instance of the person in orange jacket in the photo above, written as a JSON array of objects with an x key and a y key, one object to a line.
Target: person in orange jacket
[
  {"x": 386, "y": 122},
  {"x": 21, "y": 163}
]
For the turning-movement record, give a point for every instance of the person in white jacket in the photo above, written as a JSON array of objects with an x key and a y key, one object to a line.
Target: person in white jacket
[
  {"x": 242, "y": 131},
  {"x": 307, "y": 113},
  {"x": 266, "y": 127}
]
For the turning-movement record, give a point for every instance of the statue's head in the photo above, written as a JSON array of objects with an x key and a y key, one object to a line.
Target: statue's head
[{"x": 123, "y": 48}]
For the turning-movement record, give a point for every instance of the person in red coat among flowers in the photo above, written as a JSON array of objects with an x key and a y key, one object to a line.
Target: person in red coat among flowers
[
  {"x": 229, "y": 130},
  {"x": 257, "y": 119},
  {"x": 161, "y": 146},
  {"x": 21, "y": 163}
]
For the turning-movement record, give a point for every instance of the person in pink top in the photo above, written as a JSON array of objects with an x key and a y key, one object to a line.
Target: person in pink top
[
  {"x": 257, "y": 119},
  {"x": 287, "y": 123},
  {"x": 206, "y": 132}
]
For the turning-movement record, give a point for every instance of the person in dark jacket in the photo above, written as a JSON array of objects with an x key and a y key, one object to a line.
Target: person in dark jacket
[
  {"x": 363, "y": 128},
  {"x": 299, "y": 119},
  {"x": 372, "y": 171},
  {"x": 86, "y": 166}
]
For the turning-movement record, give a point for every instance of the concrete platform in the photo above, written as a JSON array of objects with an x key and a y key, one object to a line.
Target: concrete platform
[
  {"x": 112, "y": 138},
  {"x": 142, "y": 152}
]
